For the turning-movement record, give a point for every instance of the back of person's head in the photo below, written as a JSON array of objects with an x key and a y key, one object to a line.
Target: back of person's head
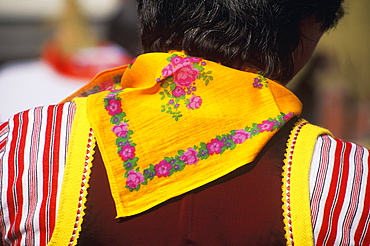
[{"x": 236, "y": 33}]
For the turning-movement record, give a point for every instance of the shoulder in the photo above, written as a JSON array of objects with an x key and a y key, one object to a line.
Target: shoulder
[
  {"x": 33, "y": 131},
  {"x": 339, "y": 192},
  {"x": 33, "y": 121},
  {"x": 339, "y": 151},
  {"x": 33, "y": 147}
]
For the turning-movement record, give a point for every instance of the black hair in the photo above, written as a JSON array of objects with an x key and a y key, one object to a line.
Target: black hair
[{"x": 264, "y": 33}]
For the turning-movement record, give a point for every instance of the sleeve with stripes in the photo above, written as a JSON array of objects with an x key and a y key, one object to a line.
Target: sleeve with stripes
[
  {"x": 340, "y": 193},
  {"x": 33, "y": 147}
]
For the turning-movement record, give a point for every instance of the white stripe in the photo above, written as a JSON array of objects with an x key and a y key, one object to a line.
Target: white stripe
[
  {"x": 328, "y": 177},
  {"x": 39, "y": 172},
  {"x": 35, "y": 157}
]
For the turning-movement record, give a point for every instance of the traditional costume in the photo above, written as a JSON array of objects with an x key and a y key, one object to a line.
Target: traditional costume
[{"x": 178, "y": 150}]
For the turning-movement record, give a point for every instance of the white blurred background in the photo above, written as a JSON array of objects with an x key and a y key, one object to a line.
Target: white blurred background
[
  {"x": 51, "y": 48},
  {"x": 26, "y": 24}
]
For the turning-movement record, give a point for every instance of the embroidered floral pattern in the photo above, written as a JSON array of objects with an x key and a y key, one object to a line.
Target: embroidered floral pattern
[
  {"x": 134, "y": 179},
  {"x": 121, "y": 129},
  {"x": 191, "y": 156},
  {"x": 105, "y": 86},
  {"x": 260, "y": 82},
  {"x": 178, "y": 81}
]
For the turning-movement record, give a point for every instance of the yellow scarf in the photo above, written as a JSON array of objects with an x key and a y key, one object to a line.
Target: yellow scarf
[{"x": 180, "y": 122}]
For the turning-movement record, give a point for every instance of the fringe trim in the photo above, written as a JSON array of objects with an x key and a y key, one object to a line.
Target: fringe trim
[
  {"x": 83, "y": 189},
  {"x": 286, "y": 180}
]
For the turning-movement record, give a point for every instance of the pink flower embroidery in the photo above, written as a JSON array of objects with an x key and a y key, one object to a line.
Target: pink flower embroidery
[
  {"x": 127, "y": 152},
  {"x": 168, "y": 70},
  {"x": 120, "y": 130},
  {"x": 190, "y": 157},
  {"x": 114, "y": 106},
  {"x": 163, "y": 169},
  {"x": 193, "y": 59},
  {"x": 266, "y": 126},
  {"x": 288, "y": 116},
  {"x": 178, "y": 92},
  {"x": 194, "y": 102},
  {"x": 134, "y": 179},
  {"x": 178, "y": 60},
  {"x": 240, "y": 136},
  {"x": 215, "y": 146},
  {"x": 185, "y": 75}
]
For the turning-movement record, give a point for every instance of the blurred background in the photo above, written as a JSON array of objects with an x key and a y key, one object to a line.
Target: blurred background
[
  {"x": 51, "y": 48},
  {"x": 25, "y": 25},
  {"x": 334, "y": 86},
  {"x": 46, "y": 44}
]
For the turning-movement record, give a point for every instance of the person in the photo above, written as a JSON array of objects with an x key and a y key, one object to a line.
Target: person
[{"x": 195, "y": 142}]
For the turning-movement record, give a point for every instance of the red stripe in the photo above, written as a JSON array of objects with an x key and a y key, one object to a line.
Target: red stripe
[
  {"x": 11, "y": 196},
  {"x": 55, "y": 166},
  {"x": 21, "y": 164},
  {"x": 331, "y": 198},
  {"x": 363, "y": 225},
  {"x": 11, "y": 175},
  {"x": 2, "y": 144},
  {"x": 46, "y": 171},
  {"x": 341, "y": 193},
  {"x": 3, "y": 126},
  {"x": 3, "y": 131}
]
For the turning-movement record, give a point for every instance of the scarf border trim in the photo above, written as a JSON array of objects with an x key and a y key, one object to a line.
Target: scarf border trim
[{"x": 135, "y": 177}]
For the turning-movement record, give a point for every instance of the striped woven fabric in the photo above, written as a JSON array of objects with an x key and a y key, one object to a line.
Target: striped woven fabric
[
  {"x": 33, "y": 147},
  {"x": 32, "y": 159},
  {"x": 340, "y": 194}
]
